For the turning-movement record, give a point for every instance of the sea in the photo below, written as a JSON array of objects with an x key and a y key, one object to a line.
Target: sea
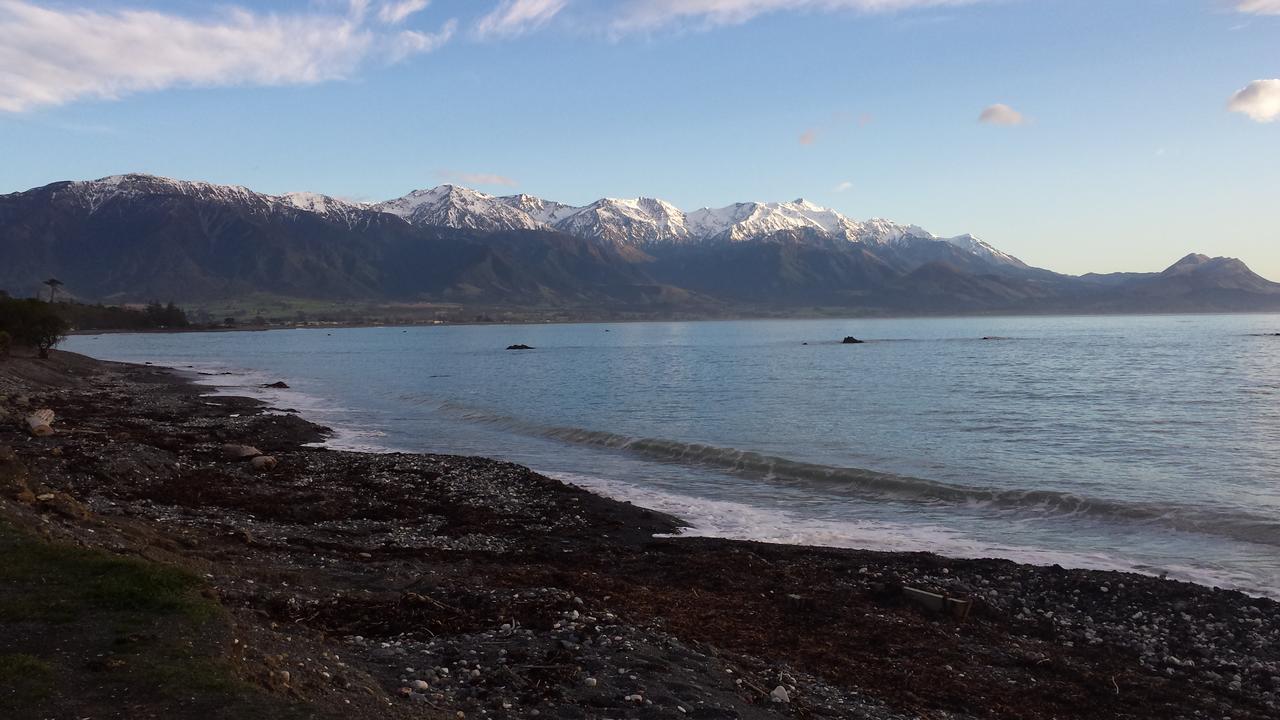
[{"x": 1140, "y": 443}]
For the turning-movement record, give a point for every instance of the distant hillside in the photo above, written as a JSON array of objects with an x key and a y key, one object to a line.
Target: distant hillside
[{"x": 138, "y": 238}]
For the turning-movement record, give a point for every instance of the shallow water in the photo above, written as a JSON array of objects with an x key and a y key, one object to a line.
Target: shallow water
[{"x": 1147, "y": 443}]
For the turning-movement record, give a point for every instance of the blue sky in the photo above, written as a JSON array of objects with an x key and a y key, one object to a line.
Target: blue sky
[{"x": 1120, "y": 141}]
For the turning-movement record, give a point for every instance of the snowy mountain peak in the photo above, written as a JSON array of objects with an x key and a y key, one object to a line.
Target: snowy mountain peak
[
  {"x": 647, "y": 221},
  {"x": 459, "y": 207},
  {"x": 95, "y": 193},
  {"x": 637, "y": 222}
]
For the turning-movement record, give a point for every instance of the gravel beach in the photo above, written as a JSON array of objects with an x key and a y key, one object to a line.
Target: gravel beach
[{"x": 398, "y": 585}]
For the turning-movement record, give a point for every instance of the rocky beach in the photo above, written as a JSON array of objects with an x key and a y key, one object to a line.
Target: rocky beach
[{"x": 332, "y": 583}]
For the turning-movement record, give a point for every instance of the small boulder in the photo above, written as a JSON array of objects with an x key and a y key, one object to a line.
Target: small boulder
[
  {"x": 519, "y": 347},
  {"x": 240, "y": 452},
  {"x": 278, "y": 385},
  {"x": 263, "y": 462},
  {"x": 851, "y": 340},
  {"x": 780, "y": 695}
]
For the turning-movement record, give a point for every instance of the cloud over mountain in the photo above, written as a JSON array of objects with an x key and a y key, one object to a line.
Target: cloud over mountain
[
  {"x": 636, "y": 15},
  {"x": 54, "y": 55}
]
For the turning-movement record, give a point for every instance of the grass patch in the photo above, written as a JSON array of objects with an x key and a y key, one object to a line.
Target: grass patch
[
  {"x": 52, "y": 583},
  {"x": 24, "y": 678}
]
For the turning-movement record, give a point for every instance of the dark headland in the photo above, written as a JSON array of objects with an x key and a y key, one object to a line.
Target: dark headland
[{"x": 144, "y": 573}]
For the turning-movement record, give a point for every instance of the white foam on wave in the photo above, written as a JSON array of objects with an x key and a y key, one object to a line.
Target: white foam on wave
[
  {"x": 231, "y": 381},
  {"x": 718, "y": 518},
  {"x": 741, "y": 521}
]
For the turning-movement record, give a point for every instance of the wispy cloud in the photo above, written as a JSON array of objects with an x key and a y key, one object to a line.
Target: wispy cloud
[
  {"x": 55, "y": 55},
  {"x": 809, "y": 137},
  {"x": 639, "y": 15},
  {"x": 845, "y": 186},
  {"x": 411, "y": 42},
  {"x": 516, "y": 17},
  {"x": 1259, "y": 100},
  {"x": 1001, "y": 114},
  {"x": 394, "y": 13},
  {"x": 478, "y": 178},
  {"x": 1259, "y": 7}
]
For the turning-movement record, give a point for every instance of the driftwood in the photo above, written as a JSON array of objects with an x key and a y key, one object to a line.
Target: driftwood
[
  {"x": 957, "y": 608},
  {"x": 40, "y": 423}
]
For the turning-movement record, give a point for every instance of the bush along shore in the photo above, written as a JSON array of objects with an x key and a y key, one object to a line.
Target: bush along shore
[{"x": 173, "y": 554}]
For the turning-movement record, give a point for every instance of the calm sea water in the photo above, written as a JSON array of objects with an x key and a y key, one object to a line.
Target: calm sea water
[{"x": 1145, "y": 443}]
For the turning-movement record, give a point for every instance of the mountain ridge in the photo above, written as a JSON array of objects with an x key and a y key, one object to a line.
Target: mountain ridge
[{"x": 142, "y": 237}]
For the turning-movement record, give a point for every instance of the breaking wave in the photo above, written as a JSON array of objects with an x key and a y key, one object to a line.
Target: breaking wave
[{"x": 889, "y": 486}]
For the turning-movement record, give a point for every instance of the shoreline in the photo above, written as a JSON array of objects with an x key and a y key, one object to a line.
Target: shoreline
[
  {"x": 345, "y": 325},
  {"x": 498, "y": 551},
  {"x": 256, "y": 385}
]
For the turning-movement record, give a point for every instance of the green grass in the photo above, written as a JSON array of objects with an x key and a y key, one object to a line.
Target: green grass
[
  {"x": 25, "y": 678},
  {"x": 55, "y": 583},
  {"x": 96, "y": 629}
]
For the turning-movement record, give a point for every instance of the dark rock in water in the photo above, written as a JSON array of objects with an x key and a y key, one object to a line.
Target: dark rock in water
[
  {"x": 994, "y": 337},
  {"x": 519, "y": 347},
  {"x": 279, "y": 385},
  {"x": 851, "y": 340}
]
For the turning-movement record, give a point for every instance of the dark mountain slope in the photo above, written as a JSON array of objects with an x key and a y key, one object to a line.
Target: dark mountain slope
[
  {"x": 138, "y": 238},
  {"x": 786, "y": 268}
]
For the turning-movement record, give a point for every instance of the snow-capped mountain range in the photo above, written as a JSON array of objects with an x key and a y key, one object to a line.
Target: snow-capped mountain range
[
  {"x": 142, "y": 237},
  {"x": 639, "y": 222},
  {"x": 650, "y": 221}
]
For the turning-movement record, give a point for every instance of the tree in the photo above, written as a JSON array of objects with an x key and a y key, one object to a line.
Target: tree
[
  {"x": 46, "y": 332},
  {"x": 54, "y": 284},
  {"x": 32, "y": 323}
]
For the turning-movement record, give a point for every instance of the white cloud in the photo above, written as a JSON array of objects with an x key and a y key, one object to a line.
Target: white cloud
[
  {"x": 394, "y": 13},
  {"x": 1259, "y": 7},
  {"x": 845, "y": 186},
  {"x": 1259, "y": 100},
  {"x": 650, "y": 14},
  {"x": 1001, "y": 114},
  {"x": 516, "y": 17},
  {"x": 412, "y": 42},
  {"x": 54, "y": 56},
  {"x": 479, "y": 178}
]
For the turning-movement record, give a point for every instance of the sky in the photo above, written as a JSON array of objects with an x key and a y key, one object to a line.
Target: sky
[{"x": 1079, "y": 135}]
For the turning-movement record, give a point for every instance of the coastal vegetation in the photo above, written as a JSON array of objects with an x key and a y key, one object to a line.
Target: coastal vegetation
[
  {"x": 30, "y": 323},
  {"x": 33, "y": 323}
]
